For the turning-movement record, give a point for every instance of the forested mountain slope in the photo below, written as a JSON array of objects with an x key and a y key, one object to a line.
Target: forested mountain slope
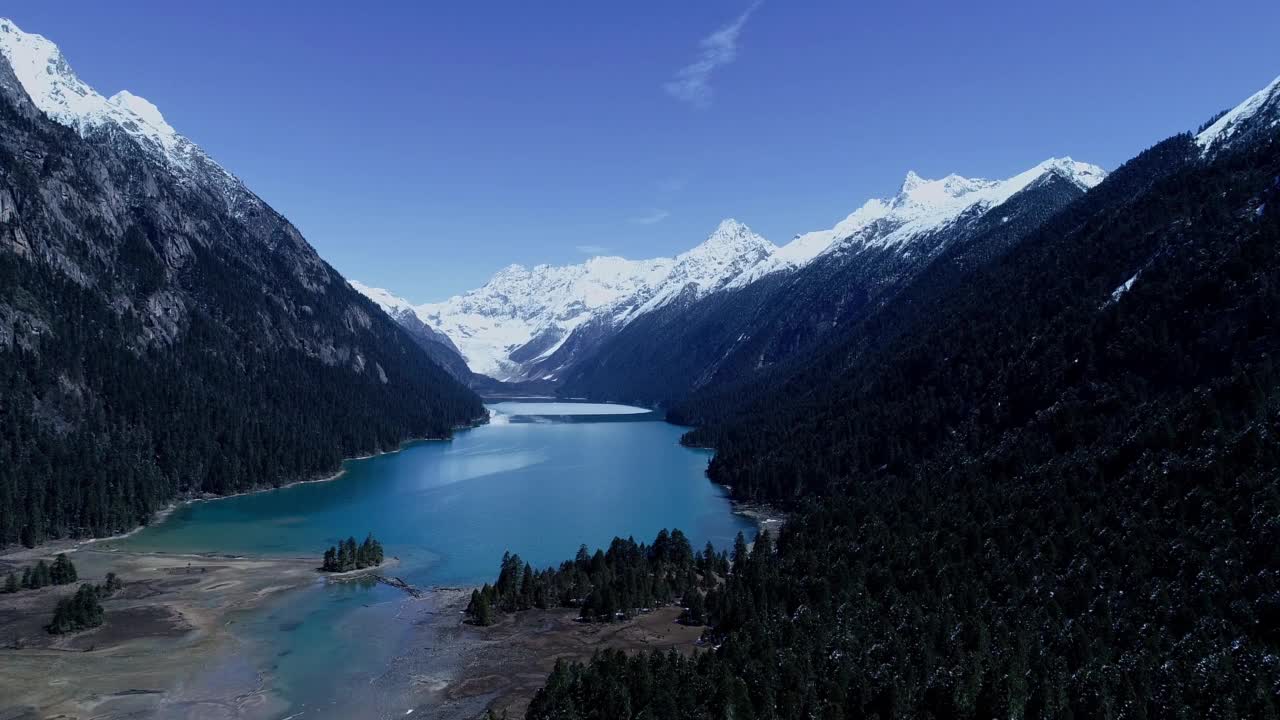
[
  {"x": 742, "y": 336},
  {"x": 162, "y": 330},
  {"x": 436, "y": 344},
  {"x": 1054, "y": 496}
]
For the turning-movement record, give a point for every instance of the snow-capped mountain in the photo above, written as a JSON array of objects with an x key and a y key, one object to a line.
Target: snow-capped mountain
[
  {"x": 202, "y": 312},
  {"x": 1258, "y": 113},
  {"x": 437, "y": 345},
  {"x": 824, "y": 285},
  {"x": 534, "y": 323},
  {"x": 515, "y": 325},
  {"x": 920, "y": 207},
  {"x": 56, "y": 90}
]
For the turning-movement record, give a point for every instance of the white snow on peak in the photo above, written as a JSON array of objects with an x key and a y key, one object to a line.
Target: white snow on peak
[
  {"x": 540, "y": 307},
  {"x": 57, "y": 91},
  {"x": 1265, "y": 100},
  {"x": 919, "y": 207},
  {"x": 144, "y": 109},
  {"x": 529, "y": 313},
  {"x": 731, "y": 251},
  {"x": 390, "y": 304}
]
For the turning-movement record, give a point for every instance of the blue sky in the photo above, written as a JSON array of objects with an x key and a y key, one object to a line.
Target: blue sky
[{"x": 422, "y": 146}]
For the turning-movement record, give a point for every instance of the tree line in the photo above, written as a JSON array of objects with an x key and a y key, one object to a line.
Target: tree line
[
  {"x": 1046, "y": 500},
  {"x": 61, "y": 572},
  {"x": 271, "y": 374},
  {"x": 608, "y": 585}
]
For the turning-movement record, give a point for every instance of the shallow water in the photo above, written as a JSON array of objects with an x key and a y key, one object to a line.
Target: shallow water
[{"x": 448, "y": 511}]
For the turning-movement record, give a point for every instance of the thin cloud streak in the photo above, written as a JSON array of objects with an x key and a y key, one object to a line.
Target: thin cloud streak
[
  {"x": 592, "y": 249},
  {"x": 652, "y": 218},
  {"x": 672, "y": 184},
  {"x": 692, "y": 83}
]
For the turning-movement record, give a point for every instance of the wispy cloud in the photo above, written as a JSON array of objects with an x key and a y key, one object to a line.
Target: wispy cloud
[
  {"x": 592, "y": 249},
  {"x": 692, "y": 83},
  {"x": 672, "y": 184},
  {"x": 651, "y": 218}
]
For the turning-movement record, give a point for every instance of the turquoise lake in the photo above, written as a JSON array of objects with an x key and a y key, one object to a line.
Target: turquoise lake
[{"x": 536, "y": 484}]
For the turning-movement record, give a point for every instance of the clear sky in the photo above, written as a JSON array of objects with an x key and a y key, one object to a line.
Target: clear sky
[{"x": 420, "y": 146}]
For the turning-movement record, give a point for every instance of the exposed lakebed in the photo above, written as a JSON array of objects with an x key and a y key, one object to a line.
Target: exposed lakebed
[{"x": 540, "y": 480}]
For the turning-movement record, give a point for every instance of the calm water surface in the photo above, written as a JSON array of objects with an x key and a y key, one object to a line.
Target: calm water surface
[{"x": 540, "y": 480}]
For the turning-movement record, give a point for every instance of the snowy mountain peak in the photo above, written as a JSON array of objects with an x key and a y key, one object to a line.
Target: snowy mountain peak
[
  {"x": 730, "y": 237},
  {"x": 1260, "y": 110},
  {"x": 1084, "y": 175},
  {"x": 59, "y": 93},
  {"x": 389, "y": 303},
  {"x": 919, "y": 192},
  {"x": 513, "y": 326},
  {"x": 143, "y": 108},
  {"x": 514, "y": 270},
  {"x": 526, "y": 324},
  {"x": 911, "y": 182},
  {"x": 730, "y": 226},
  {"x": 920, "y": 206},
  {"x": 731, "y": 251}
]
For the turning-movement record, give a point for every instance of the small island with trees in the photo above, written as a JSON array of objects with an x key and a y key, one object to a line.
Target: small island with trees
[{"x": 348, "y": 556}]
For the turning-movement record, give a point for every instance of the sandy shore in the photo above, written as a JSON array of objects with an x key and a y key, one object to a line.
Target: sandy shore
[
  {"x": 166, "y": 626},
  {"x": 764, "y": 516},
  {"x": 459, "y": 670},
  {"x": 167, "y": 650}
]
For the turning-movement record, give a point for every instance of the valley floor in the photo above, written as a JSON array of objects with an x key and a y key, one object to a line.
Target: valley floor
[
  {"x": 166, "y": 648},
  {"x": 167, "y": 626},
  {"x": 503, "y": 666}
]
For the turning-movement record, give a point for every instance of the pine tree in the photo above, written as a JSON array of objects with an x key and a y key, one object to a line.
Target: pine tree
[
  {"x": 739, "y": 549},
  {"x": 78, "y": 612},
  {"x": 63, "y": 571},
  {"x": 40, "y": 576},
  {"x": 482, "y": 613},
  {"x": 364, "y": 557},
  {"x": 11, "y": 583},
  {"x": 352, "y": 554},
  {"x": 695, "y": 609}
]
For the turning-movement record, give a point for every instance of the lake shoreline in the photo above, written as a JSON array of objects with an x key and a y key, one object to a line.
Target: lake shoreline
[
  {"x": 222, "y": 665},
  {"x": 187, "y": 606},
  {"x": 179, "y": 605},
  {"x": 469, "y": 670},
  {"x": 159, "y": 516}
]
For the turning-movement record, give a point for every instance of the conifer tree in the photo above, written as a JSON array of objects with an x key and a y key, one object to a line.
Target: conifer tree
[
  {"x": 78, "y": 612},
  {"x": 62, "y": 571}
]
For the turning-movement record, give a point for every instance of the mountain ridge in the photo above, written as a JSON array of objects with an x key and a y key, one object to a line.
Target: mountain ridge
[
  {"x": 164, "y": 332},
  {"x": 509, "y": 330}
]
